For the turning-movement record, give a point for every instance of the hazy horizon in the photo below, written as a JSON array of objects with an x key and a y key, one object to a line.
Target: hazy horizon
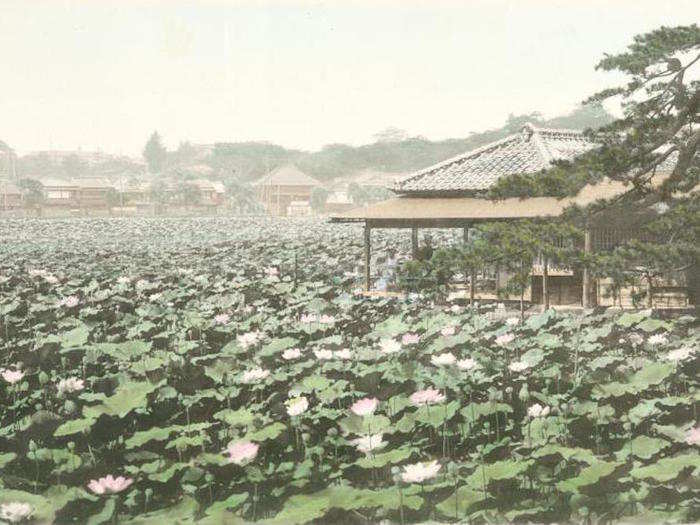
[{"x": 103, "y": 76}]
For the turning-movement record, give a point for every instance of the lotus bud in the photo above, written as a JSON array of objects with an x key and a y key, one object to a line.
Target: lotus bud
[
  {"x": 32, "y": 445},
  {"x": 71, "y": 446},
  {"x": 69, "y": 407},
  {"x": 524, "y": 394},
  {"x": 43, "y": 378}
]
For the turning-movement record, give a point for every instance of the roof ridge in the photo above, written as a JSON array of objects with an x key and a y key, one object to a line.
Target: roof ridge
[{"x": 462, "y": 156}]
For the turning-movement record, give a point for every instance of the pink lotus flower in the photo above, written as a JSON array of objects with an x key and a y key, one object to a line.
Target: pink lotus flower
[
  {"x": 455, "y": 309},
  {"x": 12, "y": 376},
  {"x": 271, "y": 271},
  {"x": 420, "y": 472},
  {"x": 429, "y": 396},
  {"x": 109, "y": 484},
  {"x": 504, "y": 339},
  {"x": 222, "y": 319},
  {"x": 242, "y": 452},
  {"x": 410, "y": 339},
  {"x": 693, "y": 436},
  {"x": 291, "y": 353},
  {"x": 326, "y": 319},
  {"x": 448, "y": 331},
  {"x": 365, "y": 406},
  {"x": 308, "y": 319}
]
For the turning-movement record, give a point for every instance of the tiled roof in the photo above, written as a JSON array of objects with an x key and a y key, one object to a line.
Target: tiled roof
[
  {"x": 287, "y": 176},
  {"x": 531, "y": 150}
]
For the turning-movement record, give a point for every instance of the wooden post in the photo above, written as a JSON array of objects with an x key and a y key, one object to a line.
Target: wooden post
[
  {"x": 585, "y": 300},
  {"x": 545, "y": 288},
  {"x": 465, "y": 235},
  {"x": 414, "y": 243},
  {"x": 368, "y": 253}
]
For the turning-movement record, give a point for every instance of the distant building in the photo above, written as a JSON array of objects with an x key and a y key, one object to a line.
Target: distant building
[
  {"x": 281, "y": 187},
  {"x": 10, "y": 196},
  {"x": 299, "y": 209},
  {"x": 376, "y": 178},
  {"x": 77, "y": 193},
  {"x": 338, "y": 202}
]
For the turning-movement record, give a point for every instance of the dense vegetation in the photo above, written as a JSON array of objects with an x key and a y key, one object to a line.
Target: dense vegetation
[{"x": 222, "y": 371}]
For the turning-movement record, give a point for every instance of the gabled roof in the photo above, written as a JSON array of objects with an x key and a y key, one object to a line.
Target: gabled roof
[
  {"x": 287, "y": 176},
  {"x": 531, "y": 150}
]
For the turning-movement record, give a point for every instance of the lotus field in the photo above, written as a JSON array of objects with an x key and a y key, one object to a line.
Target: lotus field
[{"x": 224, "y": 370}]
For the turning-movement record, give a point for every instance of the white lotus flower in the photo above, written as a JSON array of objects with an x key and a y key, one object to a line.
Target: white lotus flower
[
  {"x": 420, "y": 472},
  {"x": 343, "y": 354},
  {"x": 512, "y": 321},
  {"x": 389, "y": 346},
  {"x": 323, "y": 355},
  {"x": 537, "y": 410},
  {"x": 71, "y": 384},
  {"x": 467, "y": 364},
  {"x": 443, "y": 359},
  {"x": 448, "y": 331},
  {"x": 680, "y": 354},
  {"x": 636, "y": 339},
  {"x": 69, "y": 302},
  {"x": 297, "y": 405},
  {"x": 367, "y": 444},
  {"x": 15, "y": 511},
  {"x": 291, "y": 353},
  {"x": 254, "y": 375},
  {"x": 518, "y": 366},
  {"x": 248, "y": 339},
  {"x": 657, "y": 340}
]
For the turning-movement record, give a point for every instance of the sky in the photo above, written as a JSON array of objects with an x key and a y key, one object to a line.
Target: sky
[{"x": 103, "y": 75}]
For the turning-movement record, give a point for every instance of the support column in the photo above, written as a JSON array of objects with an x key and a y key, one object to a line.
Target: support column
[
  {"x": 465, "y": 235},
  {"x": 586, "y": 299},
  {"x": 414, "y": 243},
  {"x": 545, "y": 288},
  {"x": 368, "y": 254}
]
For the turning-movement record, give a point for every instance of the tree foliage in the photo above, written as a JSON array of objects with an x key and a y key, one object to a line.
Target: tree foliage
[{"x": 155, "y": 153}]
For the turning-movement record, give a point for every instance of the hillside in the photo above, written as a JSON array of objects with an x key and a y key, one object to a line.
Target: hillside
[{"x": 337, "y": 161}]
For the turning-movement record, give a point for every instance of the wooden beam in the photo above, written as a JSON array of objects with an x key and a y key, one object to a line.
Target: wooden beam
[
  {"x": 586, "y": 299},
  {"x": 368, "y": 254},
  {"x": 414, "y": 243}
]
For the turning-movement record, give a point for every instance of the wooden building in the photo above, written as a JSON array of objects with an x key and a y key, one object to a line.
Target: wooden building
[
  {"x": 450, "y": 195},
  {"x": 10, "y": 196},
  {"x": 283, "y": 186}
]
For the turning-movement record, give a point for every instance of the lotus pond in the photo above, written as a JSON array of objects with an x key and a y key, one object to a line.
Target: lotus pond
[{"x": 222, "y": 370}]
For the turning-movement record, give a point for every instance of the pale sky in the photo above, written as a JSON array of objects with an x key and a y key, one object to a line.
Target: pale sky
[{"x": 102, "y": 75}]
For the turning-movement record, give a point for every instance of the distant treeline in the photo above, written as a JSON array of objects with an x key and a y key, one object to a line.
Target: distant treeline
[{"x": 392, "y": 151}]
